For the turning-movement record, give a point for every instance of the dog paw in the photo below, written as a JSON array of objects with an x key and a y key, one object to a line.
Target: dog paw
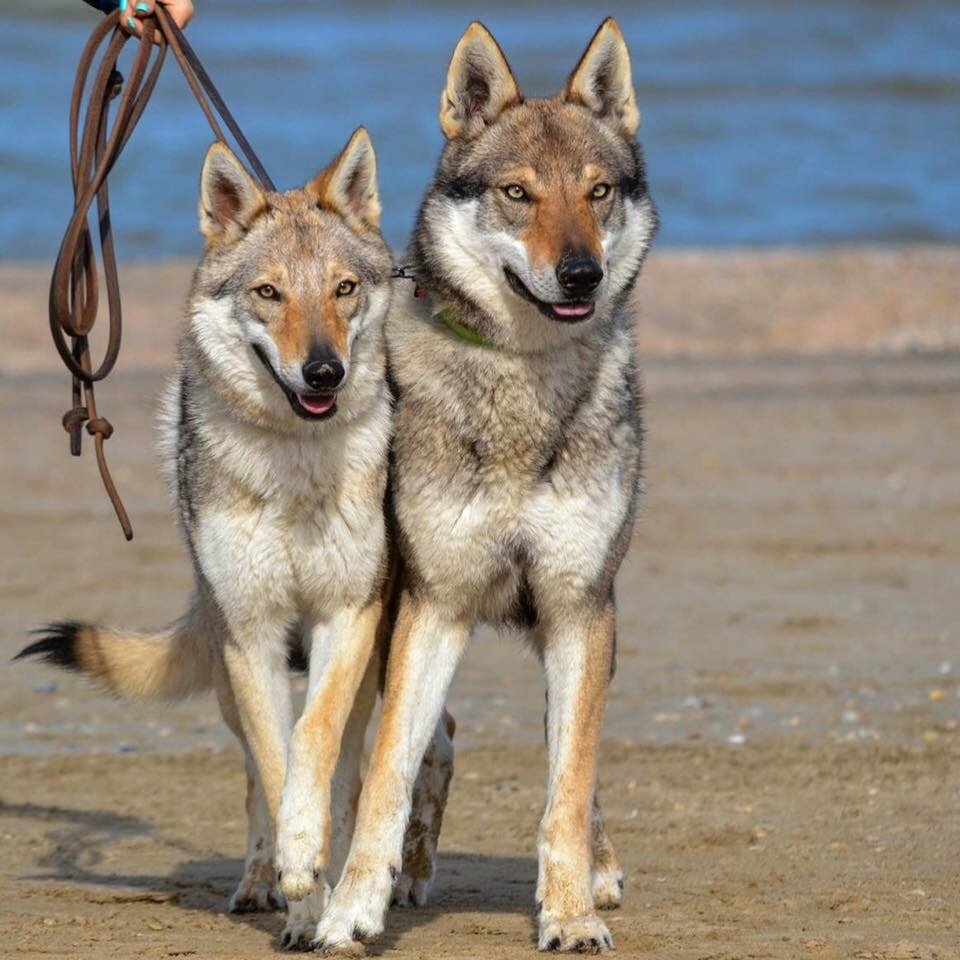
[
  {"x": 302, "y": 918},
  {"x": 607, "y": 883},
  {"x": 300, "y": 861},
  {"x": 256, "y": 895},
  {"x": 574, "y": 935},
  {"x": 297, "y": 884},
  {"x": 411, "y": 891},
  {"x": 354, "y": 916}
]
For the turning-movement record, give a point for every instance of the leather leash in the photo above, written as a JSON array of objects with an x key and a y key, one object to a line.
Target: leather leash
[{"x": 95, "y": 146}]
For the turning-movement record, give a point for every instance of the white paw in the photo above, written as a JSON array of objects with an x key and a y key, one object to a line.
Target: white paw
[
  {"x": 354, "y": 914},
  {"x": 257, "y": 892},
  {"x": 299, "y": 856},
  {"x": 574, "y": 935},
  {"x": 607, "y": 884},
  {"x": 411, "y": 891},
  {"x": 302, "y": 918}
]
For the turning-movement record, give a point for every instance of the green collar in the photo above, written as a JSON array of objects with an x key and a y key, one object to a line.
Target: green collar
[{"x": 446, "y": 317}]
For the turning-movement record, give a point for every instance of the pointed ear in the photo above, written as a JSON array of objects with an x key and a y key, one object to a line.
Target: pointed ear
[
  {"x": 601, "y": 81},
  {"x": 348, "y": 186},
  {"x": 480, "y": 85},
  {"x": 230, "y": 199}
]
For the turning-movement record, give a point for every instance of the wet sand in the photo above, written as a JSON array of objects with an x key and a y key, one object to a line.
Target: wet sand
[{"x": 781, "y": 760}]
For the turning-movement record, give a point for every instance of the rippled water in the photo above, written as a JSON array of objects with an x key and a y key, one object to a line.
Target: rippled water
[{"x": 764, "y": 122}]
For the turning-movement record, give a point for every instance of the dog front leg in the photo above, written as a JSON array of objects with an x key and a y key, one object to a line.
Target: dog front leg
[
  {"x": 424, "y": 654},
  {"x": 257, "y": 890},
  {"x": 339, "y": 655},
  {"x": 577, "y": 653},
  {"x": 259, "y": 681}
]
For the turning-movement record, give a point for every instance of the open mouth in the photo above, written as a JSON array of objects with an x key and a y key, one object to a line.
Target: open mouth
[
  {"x": 568, "y": 311},
  {"x": 316, "y": 405},
  {"x": 307, "y": 406}
]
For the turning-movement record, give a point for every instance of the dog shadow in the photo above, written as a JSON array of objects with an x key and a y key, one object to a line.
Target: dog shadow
[{"x": 78, "y": 840}]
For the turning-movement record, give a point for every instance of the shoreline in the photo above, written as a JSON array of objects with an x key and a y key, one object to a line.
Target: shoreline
[{"x": 702, "y": 303}]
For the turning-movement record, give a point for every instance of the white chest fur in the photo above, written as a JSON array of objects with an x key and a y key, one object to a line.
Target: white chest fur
[{"x": 289, "y": 525}]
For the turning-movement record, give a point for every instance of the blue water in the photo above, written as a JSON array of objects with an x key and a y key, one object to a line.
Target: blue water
[{"x": 764, "y": 122}]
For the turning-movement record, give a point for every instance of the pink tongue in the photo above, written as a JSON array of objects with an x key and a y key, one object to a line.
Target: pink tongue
[
  {"x": 317, "y": 403},
  {"x": 571, "y": 309}
]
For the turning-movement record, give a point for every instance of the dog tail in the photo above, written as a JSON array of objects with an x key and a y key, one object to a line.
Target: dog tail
[{"x": 167, "y": 665}]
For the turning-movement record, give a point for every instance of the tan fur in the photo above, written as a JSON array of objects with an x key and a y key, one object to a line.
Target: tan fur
[
  {"x": 292, "y": 333},
  {"x": 564, "y": 889},
  {"x": 228, "y": 206},
  {"x": 355, "y": 197},
  {"x": 281, "y": 507},
  {"x": 167, "y": 665},
  {"x": 563, "y": 219},
  {"x": 516, "y": 458},
  {"x": 607, "y": 876},
  {"x": 321, "y": 727},
  {"x": 459, "y": 114},
  {"x": 614, "y": 98}
]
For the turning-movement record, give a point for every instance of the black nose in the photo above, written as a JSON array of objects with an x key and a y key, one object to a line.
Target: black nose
[
  {"x": 324, "y": 376},
  {"x": 579, "y": 276}
]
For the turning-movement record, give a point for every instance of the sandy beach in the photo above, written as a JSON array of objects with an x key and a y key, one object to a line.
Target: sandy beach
[{"x": 781, "y": 758}]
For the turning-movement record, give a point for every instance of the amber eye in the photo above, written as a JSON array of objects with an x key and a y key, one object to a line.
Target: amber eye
[
  {"x": 599, "y": 191},
  {"x": 515, "y": 192},
  {"x": 268, "y": 291},
  {"x": 346, "y": 287}
]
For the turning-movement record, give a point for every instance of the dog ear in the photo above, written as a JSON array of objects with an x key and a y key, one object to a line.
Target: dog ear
[
  {"x": 348, "y": 186},
  {"x": 480, "y": 85},
  {"x": 601, "y": 81},
  {"x": 230, "y": 199}
]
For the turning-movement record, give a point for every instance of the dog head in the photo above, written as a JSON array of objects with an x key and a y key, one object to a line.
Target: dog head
[
  {"x": 293, "y": 287},
  {"x": 539, "y": 208}
]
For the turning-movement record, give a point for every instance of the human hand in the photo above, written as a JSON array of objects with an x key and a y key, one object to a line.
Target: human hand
[{"x": 134, "y": 12}]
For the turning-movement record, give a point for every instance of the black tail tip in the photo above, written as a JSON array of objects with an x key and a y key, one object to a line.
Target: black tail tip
[{"x": 57, "y": 644}]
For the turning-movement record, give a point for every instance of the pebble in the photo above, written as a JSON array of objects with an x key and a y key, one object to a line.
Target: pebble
[
  {"x": 736, "y": 739},
  {"x": 666, "y": 717}
]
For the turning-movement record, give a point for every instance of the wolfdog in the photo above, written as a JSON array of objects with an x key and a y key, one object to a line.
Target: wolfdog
[
  {"x": 274, "y": 436},
  {"x": 516, "y": 454}
]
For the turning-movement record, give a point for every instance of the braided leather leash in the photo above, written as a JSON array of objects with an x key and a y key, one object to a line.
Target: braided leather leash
[{"x": 74, "y": 284}]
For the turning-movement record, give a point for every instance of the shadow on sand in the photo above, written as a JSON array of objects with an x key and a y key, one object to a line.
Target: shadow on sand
[{"x": 78, "y": 839}]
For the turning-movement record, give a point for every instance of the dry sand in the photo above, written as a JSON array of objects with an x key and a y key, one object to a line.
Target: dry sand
[{"x": 781, "y": 762}]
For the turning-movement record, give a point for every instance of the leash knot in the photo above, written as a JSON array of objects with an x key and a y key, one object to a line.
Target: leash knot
[
  {"x": 101, "y": 426},
  {"x": 95, "y": 145}
]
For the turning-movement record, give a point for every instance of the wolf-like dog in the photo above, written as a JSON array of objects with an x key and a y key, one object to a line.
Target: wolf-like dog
[
  {"x": 274, "y": 436},
  {"x": 517, "y": 451}
]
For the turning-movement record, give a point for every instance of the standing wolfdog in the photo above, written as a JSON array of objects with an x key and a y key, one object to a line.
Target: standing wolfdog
[
  {"x": 275, "y": 437},
  {"x": 516, "y": 456}
]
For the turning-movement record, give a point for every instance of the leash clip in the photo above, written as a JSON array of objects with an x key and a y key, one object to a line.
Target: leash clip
[{"x": 401, "y": 273}]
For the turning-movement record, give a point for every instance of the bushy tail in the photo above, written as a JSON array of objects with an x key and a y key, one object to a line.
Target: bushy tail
[{"x": 168, "y": 665}]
